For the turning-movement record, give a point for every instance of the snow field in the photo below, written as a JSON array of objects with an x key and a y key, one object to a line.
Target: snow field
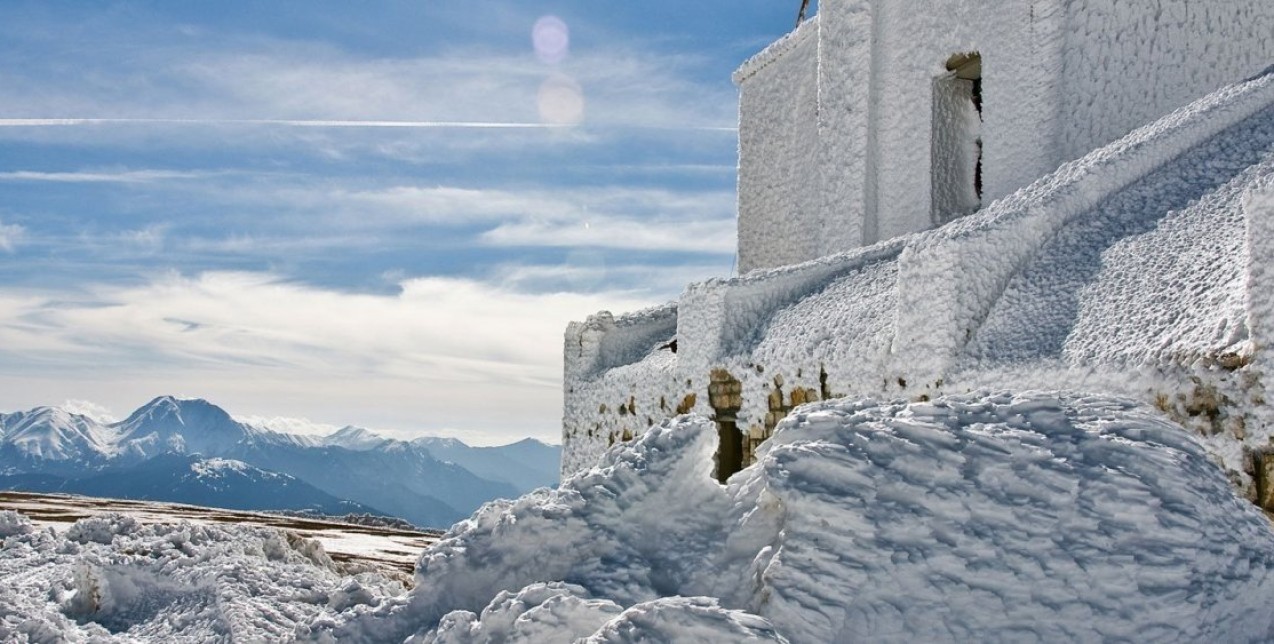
[{"x": 983, "y": 517}]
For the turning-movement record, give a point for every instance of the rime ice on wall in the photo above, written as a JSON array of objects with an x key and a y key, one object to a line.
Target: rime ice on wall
[
  {"x": 786, "y": 99},
  {"x": 1124, "y": 272},
  {"x": 1124, "y": 65},
  {"x": 836, "y": 120}
]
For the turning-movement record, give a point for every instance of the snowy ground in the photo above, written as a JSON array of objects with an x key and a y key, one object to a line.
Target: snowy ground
[
  {"x": 382, "y": 548},
  {"x": 1034, "y": 516}
]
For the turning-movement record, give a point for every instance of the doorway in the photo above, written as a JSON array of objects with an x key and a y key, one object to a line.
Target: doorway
[{"x": 956, "y": 141}]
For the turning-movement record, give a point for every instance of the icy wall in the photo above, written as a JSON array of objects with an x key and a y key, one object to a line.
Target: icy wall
[
  {"x": 782, "y": 93},
  {"x": 1134, "y": 270},
  {"x": 1125, "y": 64},
  {"x": 1059, "y": 78}
]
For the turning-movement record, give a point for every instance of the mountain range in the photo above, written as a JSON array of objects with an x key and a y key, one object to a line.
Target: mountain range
[{"x": 192, "y": 451}]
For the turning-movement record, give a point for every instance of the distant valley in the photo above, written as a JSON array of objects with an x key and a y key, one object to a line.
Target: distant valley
[{"x": 192, "y": 451}]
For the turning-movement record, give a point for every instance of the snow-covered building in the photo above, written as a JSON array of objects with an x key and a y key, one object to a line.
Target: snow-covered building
[
  {"x": 942, "y": 196},
  {"x": 884, "y": 117}
]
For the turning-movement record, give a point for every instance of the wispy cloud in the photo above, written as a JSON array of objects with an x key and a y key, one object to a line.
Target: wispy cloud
[
  {"x": 715, "y": 236},
  {"x": 588, "y": 271},
  {"x": 299, "y": 84},
  {"x": 309, "y": 217},
  {"x": 120, "y": 176},
  {"x": 90, "y": 409},
  {"x": 10, "y": 235},
  {"x": 288, "y": 425},
  {"x": 316, "y": 123},
  {"x": 455, "y": 343},
  {"x": 464, "y": 206}
]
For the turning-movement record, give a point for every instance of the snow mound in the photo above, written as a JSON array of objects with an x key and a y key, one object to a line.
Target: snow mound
[
  {"x": 12, "y": 523},
  {"x": 984, "y": 517},
  {"x": 110, "y": 579},
  {"x": 102, "y": 528}
]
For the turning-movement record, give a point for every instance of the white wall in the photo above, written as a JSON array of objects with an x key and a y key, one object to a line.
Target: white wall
[
  {"x": 778, "y": 134},
  {"x": 1128, "y": 63},
  {"x": 835, "y": 135}
]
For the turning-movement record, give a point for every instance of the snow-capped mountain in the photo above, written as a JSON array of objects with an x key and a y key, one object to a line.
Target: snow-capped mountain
[
  {"x": 355, "y": 438},
  {"x": 167, "y": 424},
  {"x": 404, "y": 479},
  {"x": 50, "y": 438},
  {"x": 189, "y": 426}
]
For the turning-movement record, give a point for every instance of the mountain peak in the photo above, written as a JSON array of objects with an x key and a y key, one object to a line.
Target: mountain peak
[
  {"x": 355, "y": 438},
  {"x": 169, "y": 423},
  {"x": 440, "y": 442},
  {"x": 53, "y": 433}
]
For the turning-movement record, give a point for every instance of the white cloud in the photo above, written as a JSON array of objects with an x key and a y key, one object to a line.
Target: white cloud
[
  {"x": 288, "y": 425},
  {"x": 10, "y": 235},
  {"x": 289, "y": 83},
  {"x": 442, "y": 353},
  {"x": 653, "y": 219},
  {"x": 587, "y": 270},
  {"x": 90, "y": 409},
  {"x": 715, "y": 236},
  {"x": 118, "y": 176},
  {"x": 455, "y": 205}
]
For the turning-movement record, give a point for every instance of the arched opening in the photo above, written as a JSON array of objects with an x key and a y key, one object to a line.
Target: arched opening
[{"x": 956, "y": 143}]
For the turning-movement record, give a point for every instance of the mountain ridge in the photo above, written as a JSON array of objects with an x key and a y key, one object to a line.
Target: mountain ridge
[{"x": 353, "y": 464}]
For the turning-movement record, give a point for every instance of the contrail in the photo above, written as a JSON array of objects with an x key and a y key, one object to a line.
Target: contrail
[
  {"x": 490, "y": 125},
  {"x": 55, "y": 122}
]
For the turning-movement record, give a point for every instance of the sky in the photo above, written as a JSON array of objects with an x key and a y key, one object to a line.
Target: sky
[{"x": 319, "y": 213}]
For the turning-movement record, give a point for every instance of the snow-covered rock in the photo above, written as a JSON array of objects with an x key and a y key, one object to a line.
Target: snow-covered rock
[
  {"x": 12, "y": 523},
  {"x": 109, "y": 579},
  {"x": 983, "y": 517}
]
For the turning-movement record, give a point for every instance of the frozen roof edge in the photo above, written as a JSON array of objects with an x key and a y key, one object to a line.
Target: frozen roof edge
[
  {"x": 775, "y": 50},
  {"x": 640, "y": 317}
]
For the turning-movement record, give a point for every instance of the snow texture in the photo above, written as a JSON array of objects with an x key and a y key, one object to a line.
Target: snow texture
[
  {"x": 1048, "y": 516},
  {"x": 110, "y": 579},
  {"x": 836, "y": 119}
]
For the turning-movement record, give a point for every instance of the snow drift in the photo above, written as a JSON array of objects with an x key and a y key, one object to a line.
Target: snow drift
[
  {"x": 110, "y": 578},
  {"x": 982, "y": 517}
]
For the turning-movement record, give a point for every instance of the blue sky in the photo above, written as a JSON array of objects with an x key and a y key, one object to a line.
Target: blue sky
[{"x": 378, "y": 213}]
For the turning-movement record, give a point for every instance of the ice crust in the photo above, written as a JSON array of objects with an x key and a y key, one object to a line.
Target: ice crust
[{"x": 1049, "y": 516}]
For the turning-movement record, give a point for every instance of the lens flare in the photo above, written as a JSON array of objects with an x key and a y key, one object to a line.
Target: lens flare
[
  {"x": 561, "y": 101},
  {"x": 552, "y": 39}
]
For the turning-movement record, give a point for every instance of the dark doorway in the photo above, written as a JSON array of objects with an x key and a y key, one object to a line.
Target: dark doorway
[
  {"x": 956, "y": 144},
  {"x": 729, "y": 449}
]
